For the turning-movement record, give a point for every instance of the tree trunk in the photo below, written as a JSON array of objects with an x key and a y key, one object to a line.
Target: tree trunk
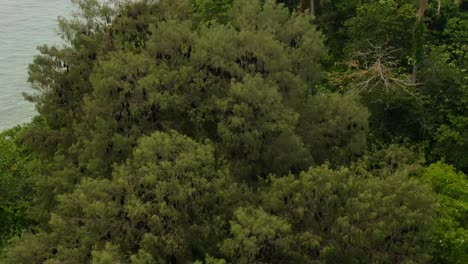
[
  {"x": 439, "y": 4},
  {"x": 422, "y": 9},
  {"x": 312, "y": 7},
  {"x": 418, "y": 39},
  {"x": 302, "y": 6}
]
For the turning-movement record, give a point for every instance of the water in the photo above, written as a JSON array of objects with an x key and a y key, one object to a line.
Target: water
[{"x": 24, "y": 25}]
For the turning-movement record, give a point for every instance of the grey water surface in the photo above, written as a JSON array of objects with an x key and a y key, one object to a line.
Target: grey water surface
[{"x": 24, "y": 25}]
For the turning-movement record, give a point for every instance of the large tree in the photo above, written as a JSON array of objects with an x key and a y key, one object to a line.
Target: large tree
[{"x": 158, "y": 66}]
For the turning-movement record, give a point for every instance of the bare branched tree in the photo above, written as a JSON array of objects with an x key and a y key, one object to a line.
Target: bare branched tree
[{"x": 376, "y": 68}]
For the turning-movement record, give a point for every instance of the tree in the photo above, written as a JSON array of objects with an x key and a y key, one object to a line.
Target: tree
[
  {"x": 342, "y": 216},
  {"x": 446, "y": 90},
  {"x": 18, "y": 168},
  {"x": 186, "y": 79},
  {"x": 382, "y": 23},
  {"x": 169, "y": 203},
  {"x": 258, "y": 128},
  {"x": 213, "y": 10},
  {"x": 451, "y": 238},
  {"x": 334, "y": 128}
]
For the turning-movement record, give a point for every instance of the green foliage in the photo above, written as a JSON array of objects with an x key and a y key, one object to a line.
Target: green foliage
[
  {"x": 171, "y": 199},
  {"x": 334, "y": 127},
  {"x": 27, "y": 249},
  {"x": 201, "y": 131},
  {"x": 213, "y": 10},
  {"x": 396, "y": 159},
  {"x": 256, "y": 120},
  {"x": 254, "y": 233},
  {"x": 206, "y": 81},
  {"x": 109, "y": 255},
  {"x": 451, "y": 236},
  {"x": 457, "y": 35},
  {"x": 452, "y": 141},
  {"x": 353, "y": 215},
  {"x": 171, "y": 202},
  {"x": 396, "y": 115},
  {"x": 17, "y": 168},
  {"x": 446, "y": 88},
  {"x": 291, "y": 4},
  {"x": 382, "y": 22}
]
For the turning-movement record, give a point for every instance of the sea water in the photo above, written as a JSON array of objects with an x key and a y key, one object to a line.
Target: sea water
[{"x": 24, "y": 25}]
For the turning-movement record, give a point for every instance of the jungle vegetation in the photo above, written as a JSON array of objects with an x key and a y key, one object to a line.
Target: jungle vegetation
[{"x": 244, "y": 131}]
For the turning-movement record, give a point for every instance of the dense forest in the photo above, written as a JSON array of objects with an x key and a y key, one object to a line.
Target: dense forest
[{"x": 244, "y": 131}]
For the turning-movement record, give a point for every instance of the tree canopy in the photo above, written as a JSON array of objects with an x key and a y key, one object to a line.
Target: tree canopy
[{"x": 243, "y": 131}]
